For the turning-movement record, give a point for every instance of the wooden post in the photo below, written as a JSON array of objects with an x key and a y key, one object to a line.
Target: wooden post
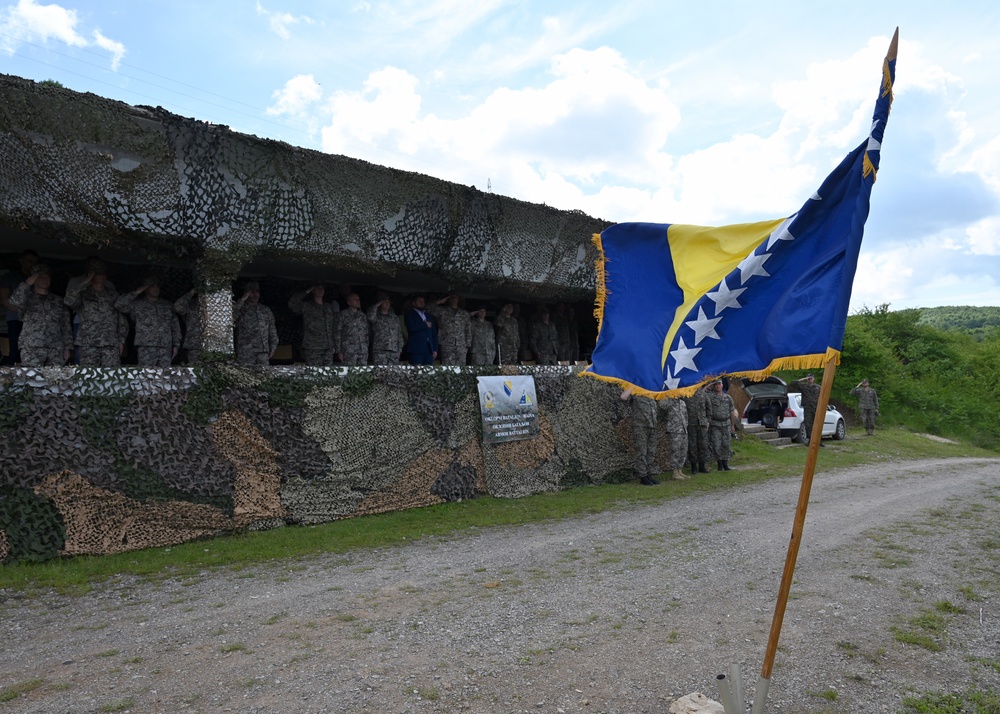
[{"x": 829, "y": 371}]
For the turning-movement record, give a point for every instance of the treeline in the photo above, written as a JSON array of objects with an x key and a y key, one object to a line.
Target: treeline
[
  {"x": 980, "y": 322},
  {"x": 941, "y": 381}
]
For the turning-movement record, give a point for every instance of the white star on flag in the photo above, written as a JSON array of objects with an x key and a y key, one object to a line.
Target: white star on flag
[
  {"x": 753, "y": 265},
  {"x": 684, "y": 356},
  {"x": 781, "y": 232},
  {"x": 704, "y": 327},
  {"x": 724, "y": 297}
]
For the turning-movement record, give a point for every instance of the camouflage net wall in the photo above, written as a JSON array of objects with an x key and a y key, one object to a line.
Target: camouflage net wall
[
  {"x": 99, "y": 461},
  {"x": 93, "y": 172}
]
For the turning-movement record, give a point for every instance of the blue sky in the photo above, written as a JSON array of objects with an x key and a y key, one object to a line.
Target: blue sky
[{"x": 707, "y": 113}]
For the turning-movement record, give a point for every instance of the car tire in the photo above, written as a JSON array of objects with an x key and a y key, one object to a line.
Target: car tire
[
  {"x": 802, "y": 436},
  {"x": 840, "y": 433}
]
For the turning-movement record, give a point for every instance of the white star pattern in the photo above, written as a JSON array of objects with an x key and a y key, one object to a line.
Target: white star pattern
[
  {"x": 781, "y": 232},
  {"x": 704, "y": 327},
  {"x": 724, "y": 297},
  {"x": 873, "y": 143},
  {"x": 753, "y": 265},
  {"x": 684, "y": 356}
]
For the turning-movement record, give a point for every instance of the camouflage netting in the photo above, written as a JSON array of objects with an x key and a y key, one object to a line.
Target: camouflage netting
[
  {"x": 108, "y": 460},
  {"x": 93, "y": 172}
]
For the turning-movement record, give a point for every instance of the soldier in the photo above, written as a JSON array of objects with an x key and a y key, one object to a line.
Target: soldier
[
  {"x": 352, "y": 340},
  {"x": 46, "y": 335},
  {"x": 255, "y": 334},
  {"x": 810, "y": 400},
  {"x": 574, "y": 334},
  {"x": 484, "y": 339},
  {"x": 454, "y": 330},
  {"x": 157, "y": 329},
  {"x": 643, "y": 436},
  {"x": 677, "y": 431},
  {"x": 508, "y": 334},
  {"x": 867, "y": 405},
  {"x": 319, "y": 325},
  {"x": 421, "y": 333},
  {"x": 698, "y": 419},
  {"x": 103, "y": 330},
  {"x": 187, "y": 306},
  {"x": 721, "y": 424},
  {"x": 387, "y": 335},
  {"x": 561, "y": 320},
  {"x": 544, "y": 339},
  {"x": 9, "y": 282}
]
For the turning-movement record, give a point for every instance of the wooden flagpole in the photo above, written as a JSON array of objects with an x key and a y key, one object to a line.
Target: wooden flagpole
[{"x": 829, "y": 371}]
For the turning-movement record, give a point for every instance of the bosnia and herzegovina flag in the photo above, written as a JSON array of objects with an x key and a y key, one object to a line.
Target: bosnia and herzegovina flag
[{"x": 680, "y": 305}]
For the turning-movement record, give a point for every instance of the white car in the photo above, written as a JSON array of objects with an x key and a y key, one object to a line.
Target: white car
[{"x": 773, "y": 406}]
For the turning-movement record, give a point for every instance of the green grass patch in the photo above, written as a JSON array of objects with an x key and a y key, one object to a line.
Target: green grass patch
[
  {"x": 969, "y": 702},
  {"x": 17, "y": 689},
  {"x": 119, "y": 705}
]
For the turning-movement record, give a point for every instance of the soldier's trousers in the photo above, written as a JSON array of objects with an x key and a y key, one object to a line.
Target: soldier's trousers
[
  {"x": 548, "y": 359},
  {"x": 100, "y": 356},
  {"x": 317, "y": 358},
  {"x": 678, "y": 442},
  {"x": 698, "y": 452},
  {"x": 720, "y": 440},
  {"x": 867, "y": 415},
  {"x": 153, "y": 356},
  {"x": 644, "y": 442},
  {"x": 42, "y": 357},
  {"x": 452, "y": 355},
  {"x": 482, "y": 358},
  {"x": 386, "y": 357},
  {"x": 353, "y": 359},
  {"x": 253, "y": 359}
]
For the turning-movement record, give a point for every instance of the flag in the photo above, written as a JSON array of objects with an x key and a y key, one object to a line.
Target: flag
[{"x": 680, "y": 305}]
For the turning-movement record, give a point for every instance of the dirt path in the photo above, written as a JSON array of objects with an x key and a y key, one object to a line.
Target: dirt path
[{"x": 618, "y": 612}]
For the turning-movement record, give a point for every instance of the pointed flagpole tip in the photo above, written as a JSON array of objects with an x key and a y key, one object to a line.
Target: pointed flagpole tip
[{"x": 893, "y": 46}]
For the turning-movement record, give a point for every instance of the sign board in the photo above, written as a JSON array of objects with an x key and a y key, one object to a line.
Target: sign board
[{"x": 509, "y": 408}]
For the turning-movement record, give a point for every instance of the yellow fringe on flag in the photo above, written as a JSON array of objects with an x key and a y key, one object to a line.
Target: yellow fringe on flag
[
  {"x": 868, "y": 168},
  {"x": 599, "y": 283},
  {"x": 815, "y": 361}
]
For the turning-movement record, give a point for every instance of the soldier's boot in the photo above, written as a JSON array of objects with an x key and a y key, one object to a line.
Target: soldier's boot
[
  {"x": 680, "y": 475},
  {"x": 702, "y": 468},
  {"x": 724, "y": 465},
  {"x": 647, "y": 481},
  {"x": 653, "y": 479}
]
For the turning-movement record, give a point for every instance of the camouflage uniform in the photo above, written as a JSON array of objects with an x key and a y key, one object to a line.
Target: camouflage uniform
[
  {"x": 810, "y": 400},
  {"x": 697, "y": 415},
  {"x": 868, "y": 406},
  {"x": 561, "y": 321},
  {"x": 255, "y": 334},
  {"x": 643, "y": 435},
  {"x": 353, "y": 336},
  {"x": 157, "y": 329},
  {"x": 720, "y": 425},
  {"x": 187, "y": 306},
  {"x": 509, "y": 337},
  {"x": 319, "y": 328},
  {"x": 544, "y": 342},
  {"x": 454, "y": 334},
  {"x": 484, "y": 342},
  {"x": 677, "y": 430},
  {"x": 103, "y": 329},
  {"x": 387, "y": 336},
  {"x": 46, "y": 334}
]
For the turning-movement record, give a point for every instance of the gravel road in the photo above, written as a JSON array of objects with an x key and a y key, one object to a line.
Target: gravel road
[{"x": 623, "y": 611}]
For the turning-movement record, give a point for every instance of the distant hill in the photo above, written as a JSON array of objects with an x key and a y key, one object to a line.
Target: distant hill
[{"x": 974, "y": 320}]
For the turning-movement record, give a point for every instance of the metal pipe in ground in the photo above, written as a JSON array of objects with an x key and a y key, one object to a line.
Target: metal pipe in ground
[
  {"x": 760, "y": 695},
  {"x": 736, "y": 685},
  {"x": 726, "y": 695}
]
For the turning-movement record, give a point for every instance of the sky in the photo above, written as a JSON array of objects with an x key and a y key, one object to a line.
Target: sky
[{"x": 706, "y": 113}]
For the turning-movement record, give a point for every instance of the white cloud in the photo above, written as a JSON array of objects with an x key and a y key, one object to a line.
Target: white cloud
[
  {"x": 298, "y": 95},
  {"x": 984, "y": 237},
  {"x": 28, "y": 21},
  {"x": 280, "y": 22}
]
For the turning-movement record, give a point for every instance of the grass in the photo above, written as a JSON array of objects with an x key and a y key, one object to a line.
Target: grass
[
  {"x": 755, "y": 462},
  {"x": 969, "y": 702},
  {"x": 17, "y": 689}
]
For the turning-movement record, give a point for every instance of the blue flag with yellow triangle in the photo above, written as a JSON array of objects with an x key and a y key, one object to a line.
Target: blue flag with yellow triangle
[{"x": 681, "y": 305}]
